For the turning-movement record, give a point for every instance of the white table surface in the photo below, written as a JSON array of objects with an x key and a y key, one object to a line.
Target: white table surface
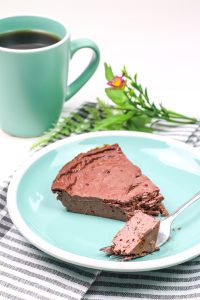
[{"x": 160, "y": 40}]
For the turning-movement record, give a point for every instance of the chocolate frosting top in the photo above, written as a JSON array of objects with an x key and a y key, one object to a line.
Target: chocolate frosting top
[{"x": 104, "y": 173}]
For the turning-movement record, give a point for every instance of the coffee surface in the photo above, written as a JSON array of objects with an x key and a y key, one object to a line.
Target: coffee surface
[{"x": 27, "y": 39}]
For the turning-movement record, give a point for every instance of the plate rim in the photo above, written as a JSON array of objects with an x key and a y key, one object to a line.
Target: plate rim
[{"x": 40, "y": 243}]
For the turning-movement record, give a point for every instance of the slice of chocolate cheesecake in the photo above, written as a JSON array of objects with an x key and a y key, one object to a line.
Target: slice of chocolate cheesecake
[
  {"x": 137, "y": 238},
  {"x": 103, "y": 182}
]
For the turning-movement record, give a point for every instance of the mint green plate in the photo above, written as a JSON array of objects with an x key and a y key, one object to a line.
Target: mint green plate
[{"x": 76, "y": 238}]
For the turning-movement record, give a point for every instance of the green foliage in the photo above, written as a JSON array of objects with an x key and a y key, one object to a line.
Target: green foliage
[
  {"x": 138, "y": 99},
  {"x": 108, "y": 72},
  {"x": 118, "y": 97},
  {"x": 131, "y": 110}
]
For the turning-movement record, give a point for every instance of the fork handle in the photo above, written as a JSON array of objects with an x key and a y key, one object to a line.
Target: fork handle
[{"x": 184, "y": 205}]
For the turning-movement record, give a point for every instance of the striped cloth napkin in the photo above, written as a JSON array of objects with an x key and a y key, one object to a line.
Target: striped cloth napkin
[{"x": 27, "y": 273}]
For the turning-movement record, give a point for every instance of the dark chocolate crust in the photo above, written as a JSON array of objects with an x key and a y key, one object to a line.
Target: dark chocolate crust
[{"x": 103, "y": 182}]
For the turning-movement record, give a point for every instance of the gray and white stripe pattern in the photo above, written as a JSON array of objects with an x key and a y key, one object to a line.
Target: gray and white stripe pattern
[
  {"x": 28, "y": 273},
  {"x": 189, "y": 134}
]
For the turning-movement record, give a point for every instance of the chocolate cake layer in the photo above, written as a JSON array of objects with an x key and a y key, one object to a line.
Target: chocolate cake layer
[
  {"x": 137, "y": 238},
  {"x": 103, "y": 182}
]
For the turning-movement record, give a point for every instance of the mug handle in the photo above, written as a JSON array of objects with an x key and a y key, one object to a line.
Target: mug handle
[{"x": 88, "y": 71}]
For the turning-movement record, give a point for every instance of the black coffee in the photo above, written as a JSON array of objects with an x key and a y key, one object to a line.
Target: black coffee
[{"x": 27, "y": 39}]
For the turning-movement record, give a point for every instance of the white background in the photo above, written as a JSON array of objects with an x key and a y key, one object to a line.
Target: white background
[{"x": 158, "y": 39}]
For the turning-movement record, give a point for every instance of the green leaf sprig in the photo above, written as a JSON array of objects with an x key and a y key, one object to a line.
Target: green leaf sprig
[
  {"x": 130, "y": 109},
  {"x": 132, "y": 96}
]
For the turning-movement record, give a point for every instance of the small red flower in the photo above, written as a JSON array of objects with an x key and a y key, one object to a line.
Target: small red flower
[{"x": 117, "y": 82}]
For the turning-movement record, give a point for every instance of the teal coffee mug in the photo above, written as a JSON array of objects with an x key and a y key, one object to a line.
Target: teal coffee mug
[{"x": 34, "y": 60}]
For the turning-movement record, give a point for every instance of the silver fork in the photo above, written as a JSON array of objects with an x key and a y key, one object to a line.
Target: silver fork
[{"x": 165, "y": 225}]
